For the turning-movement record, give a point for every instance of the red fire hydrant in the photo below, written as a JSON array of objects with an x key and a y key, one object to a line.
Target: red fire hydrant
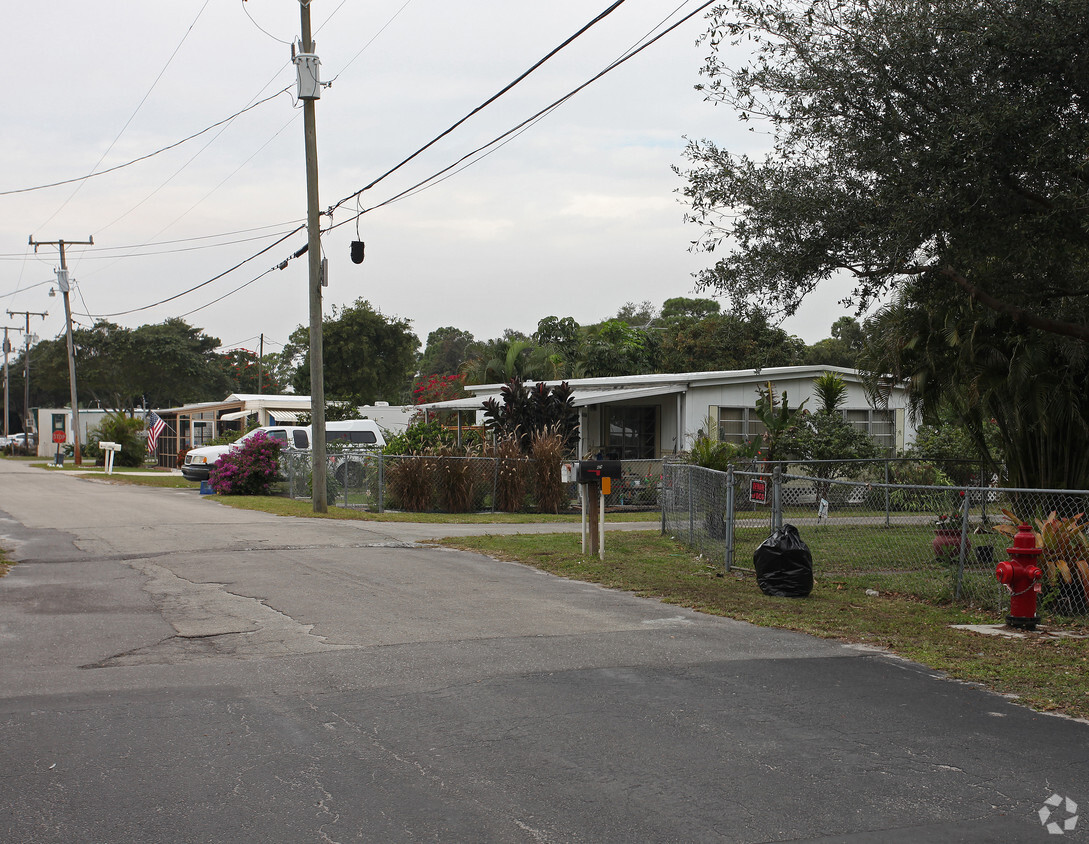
[{"x": 1022, "y": 576}]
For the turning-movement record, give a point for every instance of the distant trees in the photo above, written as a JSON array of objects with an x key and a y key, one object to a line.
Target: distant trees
[
  {"x": 373, "y": 357},
  {"x": 167, "y": 364},
  {"x": 446, "y": 350},
  {"x": 367, "y": 356},
  {"x": 727, "y": 341}
]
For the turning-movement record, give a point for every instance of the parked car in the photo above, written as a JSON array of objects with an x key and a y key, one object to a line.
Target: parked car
[
  {"x": 19, "y": 441},
  {"x": 199, "y": 461}
]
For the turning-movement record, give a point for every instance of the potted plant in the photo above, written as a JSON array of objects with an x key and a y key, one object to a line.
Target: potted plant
[{"x": 948, "y": 534}]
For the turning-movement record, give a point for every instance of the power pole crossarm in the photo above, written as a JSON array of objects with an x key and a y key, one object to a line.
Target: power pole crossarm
[{"x": 62, "y": 282}]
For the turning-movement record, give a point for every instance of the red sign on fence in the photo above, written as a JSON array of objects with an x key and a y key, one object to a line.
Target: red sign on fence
[{"x": 758, "y": 491}]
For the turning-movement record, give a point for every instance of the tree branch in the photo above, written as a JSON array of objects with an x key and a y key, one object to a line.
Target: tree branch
[{"x": 1019, "y": 315}]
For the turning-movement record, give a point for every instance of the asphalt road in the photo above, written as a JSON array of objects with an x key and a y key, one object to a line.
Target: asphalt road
[{"x": 173, "y": 670}]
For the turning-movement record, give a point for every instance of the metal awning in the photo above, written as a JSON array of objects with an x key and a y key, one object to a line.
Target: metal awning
[
  {"x": 581, "y": 398},
  {"x": 592, "y": 397},
  {"x": 238, "y": 414}
]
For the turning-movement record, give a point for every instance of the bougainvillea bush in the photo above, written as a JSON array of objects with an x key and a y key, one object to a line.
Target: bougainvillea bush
[{"x": 249, "y": 470}]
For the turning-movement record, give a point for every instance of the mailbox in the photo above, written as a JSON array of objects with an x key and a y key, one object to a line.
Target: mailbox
[
  {"x": 592, "y": 471},
  {"x": 110, "y": 450}
]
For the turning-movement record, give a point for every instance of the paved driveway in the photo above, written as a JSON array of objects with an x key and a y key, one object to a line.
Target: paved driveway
[{"x": 172, "y": 670}]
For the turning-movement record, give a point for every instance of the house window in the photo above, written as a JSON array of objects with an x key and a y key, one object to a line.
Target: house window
[
  {"x": 630, "y": 432},
  {"x": 739, "y": 425},
  {"x": 731, "y": 425},
  {"x": 883, "y": 430},
  {"x": 201, "y": 433}
]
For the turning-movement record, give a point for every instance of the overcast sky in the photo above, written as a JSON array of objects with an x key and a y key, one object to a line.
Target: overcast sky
[{"x": 574, "y": 217}]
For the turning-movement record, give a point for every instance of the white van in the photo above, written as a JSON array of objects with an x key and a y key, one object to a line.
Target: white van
[
  {"x": 347, "y": 438},
  {"x": 356, "y": 433}
]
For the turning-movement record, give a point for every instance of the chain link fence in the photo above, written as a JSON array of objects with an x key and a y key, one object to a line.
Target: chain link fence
[
  {"x": 932, "y": 543},
  {"x": 454, "y": 484}
]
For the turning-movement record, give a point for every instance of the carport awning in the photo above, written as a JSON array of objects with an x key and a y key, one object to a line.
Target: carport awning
[
  {"x": 583, "y": 398},
  {"x": 237, "y": 414}
]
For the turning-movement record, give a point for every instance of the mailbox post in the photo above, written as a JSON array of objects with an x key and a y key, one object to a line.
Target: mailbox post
[
  {"x": 595, "y": 477},
  {"x": 111, "y": 449}
]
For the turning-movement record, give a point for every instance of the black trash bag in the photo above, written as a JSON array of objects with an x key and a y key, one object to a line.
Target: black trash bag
[{"x": 784, "y": 566}]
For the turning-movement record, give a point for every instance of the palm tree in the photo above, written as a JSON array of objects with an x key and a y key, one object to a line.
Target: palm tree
[
  {"x": 985, "y": 367},
  {"x": 831, "y": 391}
]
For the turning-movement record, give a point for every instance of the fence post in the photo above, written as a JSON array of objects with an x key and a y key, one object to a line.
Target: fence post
[
  {"x": 381, "y": 482},
  {"x": 691, "y": 510},
  {"x": 886, "y": 493},
  {"x": 495, "y": 479},
  {"x": 729, "y": 518},
  {"x": 982, "y": 492},
  {"x": 964, "y": 510},
  {"x": 662, "y": 494},
  {"x": 776, "y": 497}
]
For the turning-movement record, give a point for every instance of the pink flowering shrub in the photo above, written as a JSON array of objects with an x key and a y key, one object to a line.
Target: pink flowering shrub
[{"x": 249, "y": 470}]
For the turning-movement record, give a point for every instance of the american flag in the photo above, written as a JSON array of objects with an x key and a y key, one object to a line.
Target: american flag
[{"x": 157, "y": 425}]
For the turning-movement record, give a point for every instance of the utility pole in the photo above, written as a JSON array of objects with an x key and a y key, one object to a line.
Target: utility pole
[
  {"x": 62, "y": 282},
  {"x": 7, "y": 351},
  {"x": 26, "y": 369},
  {"x": 260, "y": 364},
  {"x": 309, "y": 90}
]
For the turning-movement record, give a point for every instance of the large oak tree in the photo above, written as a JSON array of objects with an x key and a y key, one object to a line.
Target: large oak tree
[{"x": 935, "y": 150}]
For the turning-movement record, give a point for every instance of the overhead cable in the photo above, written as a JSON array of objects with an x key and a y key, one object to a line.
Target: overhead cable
[
  {"x": 435, "y": 177},
  {"x": 483, "y": 105},
  {"x": 203, "y": 283},
  {"x": 96, "y": 173},
  {"x": 131, "y": 116}
]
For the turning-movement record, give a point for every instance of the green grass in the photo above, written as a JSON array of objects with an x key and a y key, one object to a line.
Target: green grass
[
  {"x": 89, "y": 466},
  {"x": 150, "y": 478},
  {"x": 280, "y": 506},
  {"x": 1045, "y": 673}
]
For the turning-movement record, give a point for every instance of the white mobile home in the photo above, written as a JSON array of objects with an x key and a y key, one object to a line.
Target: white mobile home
[{"x": 650, "y": 416}]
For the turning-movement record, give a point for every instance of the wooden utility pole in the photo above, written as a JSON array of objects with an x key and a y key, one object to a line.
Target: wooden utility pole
[
  {"x": 26, "y": 366},
  {"x": 7, "y": 351},
  {"x": 309, "y": 91},
  {"x": 260, "y": 364},
  {"x": 62, "y": 282}
]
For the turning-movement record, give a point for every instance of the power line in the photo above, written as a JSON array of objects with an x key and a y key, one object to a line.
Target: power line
[
  {"x": 203, "y": 283},
  {"x": 28, "y": 287},
  {"x": 92, "y": 254},
  {"x": 434, "y": 178},
  {"x": 96, "y": 173},
  {"x": 131, "y": 116},
  {"x": 506, "y": 88},
  {"x": 229, "y": 293},
  {"x": 256, "y": 24},
  {"x": 193, "y": 158},
  {"x": 365, "y": 46}
]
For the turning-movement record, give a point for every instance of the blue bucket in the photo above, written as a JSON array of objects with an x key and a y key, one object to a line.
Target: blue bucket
[{"x": 206, "y": 488}]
